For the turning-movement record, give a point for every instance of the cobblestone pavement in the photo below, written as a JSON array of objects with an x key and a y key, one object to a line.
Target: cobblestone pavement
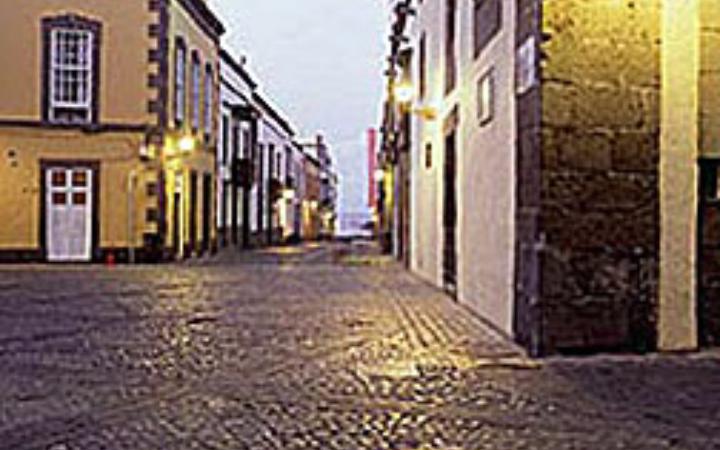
[{"x": 313, "y": 347}]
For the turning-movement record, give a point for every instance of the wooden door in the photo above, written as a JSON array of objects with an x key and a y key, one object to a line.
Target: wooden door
[{"x": 450, "y": 216}]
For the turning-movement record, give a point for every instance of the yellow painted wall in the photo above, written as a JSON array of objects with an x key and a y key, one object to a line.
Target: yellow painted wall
[
  {"x": 182, "y": 165},
  {"x": 202, "y": 157},
  {"x": 124, "y": 99},
  {"x": 124, "y": 93},
  {"x": 20, "y": 186},
  {"x": 181, "y": 24}
]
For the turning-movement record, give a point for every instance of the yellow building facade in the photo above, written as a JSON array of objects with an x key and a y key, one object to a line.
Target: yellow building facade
[{"x": 107, "y": 130}]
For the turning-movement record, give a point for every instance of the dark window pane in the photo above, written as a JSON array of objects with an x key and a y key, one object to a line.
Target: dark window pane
[
  {"x": 59, "y": 198},
  {"x": 151, "y": 215},
  {"x": 79, "y": 178},
  {"x": 79, "y": 198},
  {"x": 488, "y": 21},
  {"x": 151, "y": 189},
  {"x": 225, "y": 139},
  {"x": 450, "y": 31},
  {"x": 428, "y": 156},
  {"x": 59, "y": 178}
]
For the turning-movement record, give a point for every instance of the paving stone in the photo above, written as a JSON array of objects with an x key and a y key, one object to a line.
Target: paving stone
[{"x": 308, "y": 349}]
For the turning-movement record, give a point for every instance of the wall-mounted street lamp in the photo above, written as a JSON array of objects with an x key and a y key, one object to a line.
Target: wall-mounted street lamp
[
  {"x": 428, "y": 113},
  {"x": 405, "y": 95},
  {"x": 379, "y": 175},
  {"x": 289, "y": 194},
  {"x": 404, "y": 92},
  {"x": 186, "y": 144}
]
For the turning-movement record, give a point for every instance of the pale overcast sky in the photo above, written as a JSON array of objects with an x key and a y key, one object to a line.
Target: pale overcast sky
[{"x": 321, "y": 62}]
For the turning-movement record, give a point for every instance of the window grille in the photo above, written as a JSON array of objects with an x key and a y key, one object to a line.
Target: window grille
[{"x": 71, "y": 76}]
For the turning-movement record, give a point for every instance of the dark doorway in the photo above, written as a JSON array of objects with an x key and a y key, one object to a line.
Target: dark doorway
[
  {"x": 708, "y": 271},
  {"x": 207, "y": 211},
  {"x": 193, "y": 211},
  {"x": 404, "y": 210},
  {"x": 450, "y": 216},
  {"x": 234, "y": 197},
  {"x": 222, "y": 229},
  {"x": 270, "y": 195},
  {"x": 260, "y": 188},
  {"x": 177, "y": 217}
]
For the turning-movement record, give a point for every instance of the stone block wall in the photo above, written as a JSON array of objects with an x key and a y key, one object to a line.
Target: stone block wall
[{"x": 599, "y": 194}]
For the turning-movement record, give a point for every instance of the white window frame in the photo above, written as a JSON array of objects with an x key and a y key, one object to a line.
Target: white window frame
[
  {"x": 209, "y": 85},
  {"x": 195, "y": 91},
  {"x": 57, "y": 100}
]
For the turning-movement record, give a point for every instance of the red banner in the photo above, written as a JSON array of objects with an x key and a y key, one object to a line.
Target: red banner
[{"x": 372, "y": 166}]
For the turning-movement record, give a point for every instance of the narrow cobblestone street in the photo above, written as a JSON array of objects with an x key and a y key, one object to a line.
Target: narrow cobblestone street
[{"x": 313, "y": 347}]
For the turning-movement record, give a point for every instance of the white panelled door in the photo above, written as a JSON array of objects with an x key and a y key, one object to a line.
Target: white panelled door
[{"x": 69, "y": 214}]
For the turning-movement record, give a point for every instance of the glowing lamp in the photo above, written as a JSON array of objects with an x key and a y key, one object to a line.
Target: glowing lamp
[
  {"x": 379, "y": 175},
  {"x": 289, "y": 194},
  {"x": 404, "y": 92},
  {"x": 186, "y": 144}
]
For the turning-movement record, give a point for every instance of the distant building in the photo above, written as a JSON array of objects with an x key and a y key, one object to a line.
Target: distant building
[
  {"x": 291, "y": 212},
  {"x": 274, "y": 165},
  {"x": 311, "y": 222},
  {"x": 319, "y": 152}
]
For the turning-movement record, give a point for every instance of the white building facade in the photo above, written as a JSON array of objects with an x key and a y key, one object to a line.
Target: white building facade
[
  {"x": 463, "y": 159},
  {"x": 273, "y": 209},
  {"x": 237, "y": 129}
]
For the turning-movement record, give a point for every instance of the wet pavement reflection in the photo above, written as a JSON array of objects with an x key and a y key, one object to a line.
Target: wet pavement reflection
[{"x": 326, "y": 346}]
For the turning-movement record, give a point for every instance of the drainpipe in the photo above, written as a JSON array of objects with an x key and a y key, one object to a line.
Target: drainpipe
[{"x": 131, "y": 182}]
